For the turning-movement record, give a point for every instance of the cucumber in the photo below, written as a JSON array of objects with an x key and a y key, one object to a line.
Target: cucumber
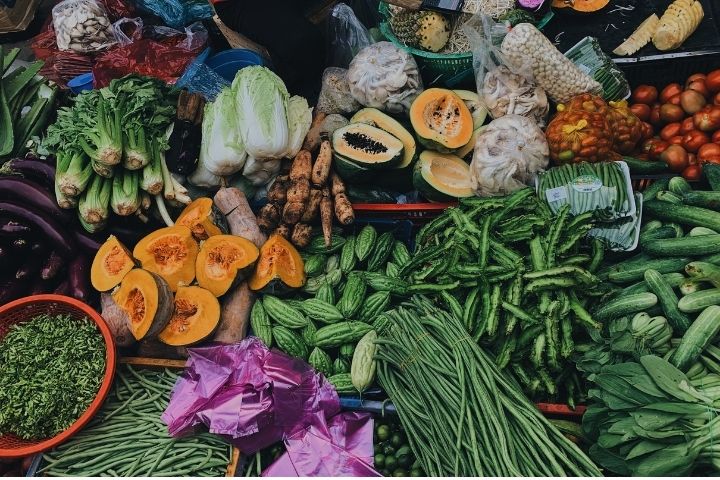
[
  {"x": 668, "y": 300},
  {"x": 658, "y": 185},
  {"x": 700, "y": 231},
  {"x": 697, "y": 301},
  {"x": 709, "y": 200},
  {"x": 619, "y": 307},
  {"x": 683, "y": 214},
  {"x": 712, "y": 175},
  {"x": 704, "y": 271},
  {"x": 674, "y": 279},
  {"x": 644, "y": 167},
  {"x": 662, "y": 232},
  {"x": 679, "y": 186},
  {"x": 686, "y": 246},
  {"x": 702, "y": 331},
  {"x": 635, "y": 270},
  {"x": 669, "y": 197},
  {"x": 364, "y": 242}
]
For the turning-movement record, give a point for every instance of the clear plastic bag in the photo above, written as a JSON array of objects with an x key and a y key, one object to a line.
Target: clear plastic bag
[
  {"x": 347, "y": 36},
  {"x": 199, "y": 78},
  {"x": 505, "y": 89},
  {"x": 177, "y": 13},
  {"x": 82, "y": 26},
  {"x": 335, "y": 95},
  {"x": 127, "y": 30}
]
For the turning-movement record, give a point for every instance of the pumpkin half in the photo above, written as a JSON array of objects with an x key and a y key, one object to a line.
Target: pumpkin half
[
  {"x": 203, "y": 218},
  {"x": 194, "y": 318},
  {"x": 223, "y": 260},
  {"x": 442, "y": 177},
  {"x": 441, "y": 120},
  {"x": 279, "y": 268},
  {"x": 170, "y": 252},
  {"x": 147, "y": 300},
  {"x": 581, "y": 6},
  {"x": 111, "y": 263}
]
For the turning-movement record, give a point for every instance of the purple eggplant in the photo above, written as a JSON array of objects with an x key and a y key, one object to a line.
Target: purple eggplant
[
  {"x": 19, "y": 245},
  {"x": 78, "y": 275},
  {"x": 33, "y": 262},
  {"x": 37, "y": 287},
  {"x": 12, "y": 289},
  {"x": 12, "y": 228},
  {"x": 36, "y": 170},
  {"x": 33, "y": 195},
  {"x": 43, "y": 224},
  {"x": 52, "y": 266},
  {"x": 86, "y": 242},
  {"x": 63, "y": 288}
]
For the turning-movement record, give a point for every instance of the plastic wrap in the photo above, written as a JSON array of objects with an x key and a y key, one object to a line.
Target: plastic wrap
[
  {"x": 127, "y": 30},
  {"x": 163, "y": 53},
  {"x": 199, "y": 78},
  {"x": 347, "y": 36},
  {"x": 339, "y": 447},
  {"x": 335, "y": 95},
  {"x": 82, "y": 26},
  {"x": 252, "y": 395},
  {"x": 177, "y": 13}
]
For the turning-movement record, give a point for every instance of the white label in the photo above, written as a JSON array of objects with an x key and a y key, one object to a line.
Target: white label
[
  {"x": 555, "y": 194},
  {"x": 586, "y": 183}
]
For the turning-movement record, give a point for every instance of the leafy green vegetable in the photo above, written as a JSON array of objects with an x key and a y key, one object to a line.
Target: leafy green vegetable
[{"x": 51, "y": 369}]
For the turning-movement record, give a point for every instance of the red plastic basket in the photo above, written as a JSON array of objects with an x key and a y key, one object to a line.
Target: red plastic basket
[{"x": 24, "y": 309}]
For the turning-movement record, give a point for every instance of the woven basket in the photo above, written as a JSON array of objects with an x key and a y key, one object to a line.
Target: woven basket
[{"x": 437, "y": 69}]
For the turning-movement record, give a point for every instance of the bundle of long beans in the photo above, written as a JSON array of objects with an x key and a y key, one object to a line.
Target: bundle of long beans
[
  {"x": 464, "y": 417},
  {"x": 128, "y": 439}
]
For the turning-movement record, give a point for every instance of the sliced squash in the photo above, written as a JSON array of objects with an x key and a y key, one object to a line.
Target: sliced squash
[
  {"x": 640, "y": 37},
  {"x": 195, "y": 317},
  {"x": 367, "y": 146},
  {"x": 279, "y": 268},
  {"x": 376, "y": 118},
  {"x": 203, "y": 218},
  {"x": 465, "y": 152},
  {"x": 442, "y": 177},
  {"x": 171, "y": 253},
  {"x": 475, "y": 105},
  {"x": 581, "y": 6},
  {"x": 111, "y": 263},
  {"x": 351, "y": 172},
  {"x": 148, "y": 302},
  {"x": 441, "y": 120},
  {"x": 224, "y": 260}
]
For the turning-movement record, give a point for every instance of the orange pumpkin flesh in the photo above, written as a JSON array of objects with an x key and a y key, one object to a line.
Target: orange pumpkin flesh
[
  {"x": 223, "y": 260},
  {"x": 203, "y": 218},
  {"x": 147, "y": 301},
  {"x": 110, "y": 265},
  {"x": 279, "y": 267},
  {"x": 170, "y": 252},
  {"x": 582, "y": 6},
  {"x": 195, "y": 317}
]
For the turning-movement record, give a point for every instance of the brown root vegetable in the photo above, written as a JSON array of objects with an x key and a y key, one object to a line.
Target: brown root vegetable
[
  {"x": 336, "y": 184},
  {"x": 313, "y": 205},
  {"x": 118, "y": 321},
  {"x": 326, "y": 216},
  {"x": 312, "y": 140},
  {"x": 301, "y": 169},
  {"x": 283, "y": 230},
  {"x": 343, "y": 209},
  {"x": 299, "y": 192},
  {"x": 236, "y": 305},
  {"x": 301, "y": 235},
  {"x": 268, "y": 217},
  {"x": 240, "y": 217},
  {"x": 292, "y": 212},
  {"x": 321, "y": 169},
  {"x": 277, "y": 193}
]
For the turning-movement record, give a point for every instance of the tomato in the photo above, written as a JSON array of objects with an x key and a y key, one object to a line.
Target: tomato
[
  {"x": 692, "y": 101},
  {"x": 671, "y": 113},
  {"x": 692, "y": 159},
  {"x": 647, "y": 131},
  {"x": 670, "y": 91},
  {"x": 708, "y": 119},
  {"x": 654, "y": 148},
  {"x": 641, "y": 111},
  {"x": 676, "y": 158},
  {"x": 715, "y": 137},
  {"x": 716, "y": 99},
  {"x": 670, "y": 130},
  {"x": 695, "y": 77},
  {"x": 712, "y": 81},
  {"x": 694, "y": 139},
  {"x": 707, "y": 152},
  {"x": 688, "y": 125},
  {"x": 655, "y": 116},
  {"x": 692, "y": 173},
  {"x": 675, "y": 99},
  {"x": 676, "y": 140},
  {"x": 699, "y": 86},
  {"x": 646, "y": 94}
]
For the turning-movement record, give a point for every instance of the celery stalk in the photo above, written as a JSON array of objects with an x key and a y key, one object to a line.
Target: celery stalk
[
  {"x": 107, "y": 138},
  {"x": 136, "y": 154},
  {"x": 152, "y": 175},
  {"x": 103, "y": 170},
  {"x": 93, "y": 205},
  {"x": 91, "y": 227},
  {"x": 62, "y": 200},
  {"x": 78, "y": 171},
  {"x": 125, "y": 199}
]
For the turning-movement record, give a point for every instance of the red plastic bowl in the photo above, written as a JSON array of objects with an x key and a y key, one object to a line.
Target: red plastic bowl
[{"x": 24, "y": 309}]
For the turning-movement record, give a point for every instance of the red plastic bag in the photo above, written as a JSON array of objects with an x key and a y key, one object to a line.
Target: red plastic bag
[
  {"x": 118, "y": 9},
  {"x": 165, "y": 57}
]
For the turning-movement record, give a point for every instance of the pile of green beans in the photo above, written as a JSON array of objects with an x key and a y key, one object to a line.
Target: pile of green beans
[
  {"x": 128, "y": 439},
  {"x": 462, "y": 416}
]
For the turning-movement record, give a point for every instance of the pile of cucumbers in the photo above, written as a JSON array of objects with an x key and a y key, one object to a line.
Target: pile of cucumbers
[
  {"x": 393, "y": 456},
  {"x": 349, "y": 285}
]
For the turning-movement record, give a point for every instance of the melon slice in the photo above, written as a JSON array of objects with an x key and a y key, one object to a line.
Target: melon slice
[
  {"x": 442, "y": 177},
  {"x": 367, "y": 146}
]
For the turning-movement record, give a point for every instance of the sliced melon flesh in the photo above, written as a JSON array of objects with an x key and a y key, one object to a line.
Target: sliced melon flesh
[
  {"x": 381, "y": 120},
  {"x": 367, "y": 146},
  {"x": 441, "y": 120},
  {"x": 442, "y": 177},
  {"x": 475, "y": 105}
]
